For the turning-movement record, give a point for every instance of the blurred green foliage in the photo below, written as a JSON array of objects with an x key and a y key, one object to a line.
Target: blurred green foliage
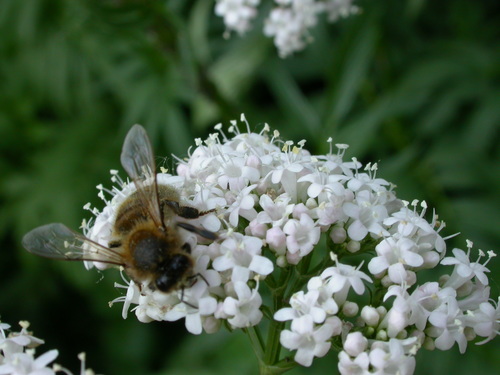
[{"x": 413, "y": 85}]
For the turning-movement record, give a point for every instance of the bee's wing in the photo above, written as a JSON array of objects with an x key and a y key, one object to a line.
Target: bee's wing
[
  {"x": 138, "y": 161},
  {"x": 57, "y": 241}
]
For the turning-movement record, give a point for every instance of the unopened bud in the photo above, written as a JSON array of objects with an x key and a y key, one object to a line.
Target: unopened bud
[
  {"x": 355, "y": 343},
  {"x": 281, "y": 261},
  {"x": 429, "y": 344},
  {"x": 276, "y": 239},
  {"x": 350, "y": 309},
  {"x": 381, "y": 335},
  {"x": 370, "y": 316},
  {"x": 338, "y": 235},
  {"x": 353, "y": 246}
]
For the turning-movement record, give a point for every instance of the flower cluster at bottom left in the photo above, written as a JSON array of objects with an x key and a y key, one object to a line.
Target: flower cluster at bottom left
[{"x": 17, "y": 354}]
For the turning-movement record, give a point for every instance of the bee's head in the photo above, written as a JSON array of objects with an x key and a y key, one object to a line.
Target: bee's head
[{"x": 174, "y": 272}]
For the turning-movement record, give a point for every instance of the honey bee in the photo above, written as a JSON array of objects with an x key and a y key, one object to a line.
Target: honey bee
[{"x": 145, "y": 239}]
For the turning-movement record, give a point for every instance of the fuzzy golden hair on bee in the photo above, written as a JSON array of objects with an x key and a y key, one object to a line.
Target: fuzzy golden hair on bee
[{"x": 145, "y": 239}]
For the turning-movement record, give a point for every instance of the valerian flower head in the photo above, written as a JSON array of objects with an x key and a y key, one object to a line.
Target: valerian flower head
[
  {"x": 18, "y": 354},
  {"x": 319, "y": 244},
  {"x": 289, "y": 23}
]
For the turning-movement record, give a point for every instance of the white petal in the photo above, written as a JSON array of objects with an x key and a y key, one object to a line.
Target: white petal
[
  {"x": 397, "y": 273},
  {"x": 261, "y": 265},
  {"x": 174, "y": 314},
  {"x": 314, "y": 190},
  {"x": 304, "y": 357},
  {"x": 377, "y": 265},
  {"x": 240, "y": 274},
  {"x": 223, "y": 263},
  {"x": 284, "y": 314},
  {"x": 230, "y": 306},
  {"x": 445, "y": 341},
  {"x": 321, "y": 349},
  {"x": 207, "y": 305},
  {"x": 318, "y": 314},
  {"x": 357, "y": 285},
  {"x": 351, "y": 209},
  {"x": 413, "y": 259},
  {"x": 233, "y": 218},
  {"x": 46, "y": 358},
  {"x": 247, "y": 203},
  {"x": 357, "y": 231},
  {"x": 289, "y": 339},
  {"x": 193, "y": 323},
  {"x": 295, "y": 168},
  {"x": 276, "y": 176},
  {"x": 303, "y": 325},
  {"x": 242, "y": 291}
]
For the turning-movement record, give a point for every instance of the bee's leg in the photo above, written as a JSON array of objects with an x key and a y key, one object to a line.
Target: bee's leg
[
  {"x": 187, "y": 248},
  {"x": 185, "y": 211},
  {"x": 114, "y": 244},
  {"x": 185, "y": 302},
  {"x": 202, "y": 232},
  {"x": 195, "y": 276}
]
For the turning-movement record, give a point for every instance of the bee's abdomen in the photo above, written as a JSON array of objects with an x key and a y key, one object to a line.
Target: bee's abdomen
[{"x": 129, "y": 215}]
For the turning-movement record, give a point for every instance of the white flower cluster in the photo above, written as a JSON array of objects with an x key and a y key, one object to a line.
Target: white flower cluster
[
  {"x": 17, "y": 354},
  {"x": 280, "y": 211},
  {"x": 237, "y": 14},
  {"x": 289, "y": 21}
]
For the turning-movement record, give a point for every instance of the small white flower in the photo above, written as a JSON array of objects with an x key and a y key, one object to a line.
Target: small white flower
[
  {"x": 367, "y": 215},
  {"x": 237, "y": 175},
  {"x": 392, "y": 357},
  {"x": 395, "y": 256},
  {"x": 17, "y": 356},
  {"x": 448, "y": 326},
  {"x": 342, "y": 277},
  {"x": 309, "y": 341},
  {"x": 301, "y": 235},
  {"x": 354, "y": 366},
  {"x": 325, "y": 299},
  {"x": 302, "y": 304},
  {"x": 340, "y": 9},
  {"x": 237, "y": 13},
  {"x": 131, "y": 297},
  {"x": 486, "y": 321},
  {"x": 243, "y": 251},
  {"x": 25, "y": 363},
  {"x": 243, "y": 311},
  {"x": 464, "y": 269},
  {"x": 275, "y": 212},
  {"x": 194, "y": 316},
  {"x": 289, "y": 24},
  {"x": 408, "y": 222},
  {"x": 324, "y": 183},
  {"x": 242, "y": 205},
  {"x": 424, "y": 300}
]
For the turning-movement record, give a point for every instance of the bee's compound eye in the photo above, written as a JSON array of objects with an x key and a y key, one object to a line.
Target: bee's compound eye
[
  {"x": 164, "y": 282},
  {"x": 174, "y": 272}
]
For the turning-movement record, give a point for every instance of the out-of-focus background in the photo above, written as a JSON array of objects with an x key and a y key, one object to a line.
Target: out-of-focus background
[{"x": 413, "y": 85}]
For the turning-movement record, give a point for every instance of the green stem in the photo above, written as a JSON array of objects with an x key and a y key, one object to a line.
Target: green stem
[
  {"x": 256, "y": 340},
  {"x": 273, "y": 345},
  {"x": 275, "y": 370}
]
